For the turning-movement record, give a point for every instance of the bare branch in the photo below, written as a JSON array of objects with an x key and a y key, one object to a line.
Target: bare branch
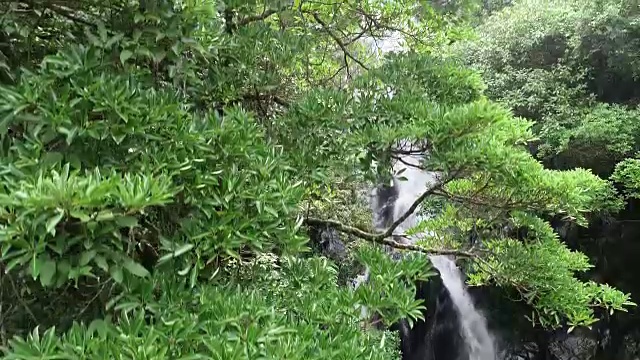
[
  {"x": 382, "y": 240},
  {"x": 475, "y": 200},
  {"x": 266, "y": 14},
  {"x": 382, "y": 24},
  {"x": 66, "y": 13},
  {"x": 412, "y": 209},
  {"x": 383, "y": 237},
  {"x": 337, "y": 40},
  {"x": 397, "y": 158}
]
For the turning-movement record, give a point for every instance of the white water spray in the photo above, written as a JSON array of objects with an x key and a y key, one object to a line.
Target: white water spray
[
  {"x": 479, "y": 342},
  {"x": 473, "y": 326}
]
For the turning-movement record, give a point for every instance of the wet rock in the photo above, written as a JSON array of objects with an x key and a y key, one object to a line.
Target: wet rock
[
  {"x": 326, "y": 240},
  {"x": 382, "y": 201},
  {"x": 631, "y": 346},
  {"x": 580, "y": 345},
  {"x": 527, "y": 351},
  {"x": 331, "y": 244}
]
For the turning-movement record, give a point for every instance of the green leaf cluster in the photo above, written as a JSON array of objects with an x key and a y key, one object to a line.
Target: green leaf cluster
[
  {"x": 159, "y": 160},
  {"x": 150, "y": 148},
  {"x": 495, "y": 183},
  {"x": 301, "y": 314},
  {"x": 543, "y": 274},
  {"x": 627, "y": 174}
]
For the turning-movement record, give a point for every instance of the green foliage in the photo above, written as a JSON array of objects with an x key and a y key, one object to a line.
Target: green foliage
[
  {"x": 149, "y": 145},
  {"x": 159, "y": 159},
  {"x": 553, "y": 62},
  {"x": 164, "y": 155},
  {"x": 43, "y": 208},
  {"x": 555, "y": 292},
  {"x": 296, "y": 312},
  {"x": 627, "y": 174},
  {"x": 571, "y": 66},
  {"x": 604, "y": 135},
  {"x": 377, "y": 292},
  {"x": 495, "y": 180}
]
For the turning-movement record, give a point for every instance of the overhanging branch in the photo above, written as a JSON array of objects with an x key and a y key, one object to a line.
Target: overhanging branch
[
  {"x": 339, "y": 42},
  {"x": 383, "y": 238},
  {"x": 266, "y": 14}
]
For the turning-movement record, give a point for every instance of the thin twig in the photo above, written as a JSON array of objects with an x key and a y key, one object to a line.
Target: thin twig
[
  {"x": 98, "y": 293},
  {"x": 337, "y": 40},
  {"x": 266, "y": 14},
  {"x": 21, "y": 299},
  {"x": 397, "y": 158}
]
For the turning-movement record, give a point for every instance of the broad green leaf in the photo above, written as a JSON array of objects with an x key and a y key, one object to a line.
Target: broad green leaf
[
  {"x": 47, "y": 271},
  {"x": 135, "y": 268},
  {"x": 104, "y": 215},
  {"x": 127, "y": 221},
  {"x": 116, "y": 273},
  {"x": 53, "y": 222},
  {"x": 87, "y": 256},
  {"x": 181, "y": 250},
  {"x": 125, "y": 55},
  {"x": 101, "y": 262}
]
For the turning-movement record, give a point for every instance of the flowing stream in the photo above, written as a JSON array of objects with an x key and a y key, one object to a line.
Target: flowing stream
[{"x": 472, "y": 324}]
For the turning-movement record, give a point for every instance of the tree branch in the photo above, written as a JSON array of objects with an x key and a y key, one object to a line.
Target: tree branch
[
  {"x": 66, "y": 13},
  {"x": 337, "y": 40},
  {"x": 266, "y": 14},
  {"x": 397, "y": 158},
  {"x": 383, "y": 237},
  {"x": 497, "y": 205},
  {"x": 382, "y": 240}
]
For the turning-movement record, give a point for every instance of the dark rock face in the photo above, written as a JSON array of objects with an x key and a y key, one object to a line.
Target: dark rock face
[
  {"x": 326, "y": 241},
  {"x": 444, "y": 338},
  {"x": 527, "y": 351},
  {"x": 613, "y": 248},
  {"x": 574, "y": 347},
  {"x": 630, "y": 349},
  {"x": 437, "y": 336},
  {"x": 383, "y": 199}
]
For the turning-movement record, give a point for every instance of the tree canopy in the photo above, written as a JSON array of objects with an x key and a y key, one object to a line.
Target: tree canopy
[
  {"x": 163, "y": 162},
  {"x": 573, "y": 68}
]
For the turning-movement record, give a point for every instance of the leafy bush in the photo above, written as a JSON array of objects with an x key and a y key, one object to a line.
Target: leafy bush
[
  {"x": 627, "y": 174},
  {"x": 296, "y": 312}
]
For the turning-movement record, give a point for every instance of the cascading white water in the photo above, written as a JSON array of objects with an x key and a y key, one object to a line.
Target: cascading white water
[
  {"x": 479, "y": 342},
  {"x": 473, "y": 326}
]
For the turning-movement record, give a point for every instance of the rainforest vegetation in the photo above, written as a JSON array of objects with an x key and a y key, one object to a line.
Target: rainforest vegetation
[{"x": 167, "y": 166}]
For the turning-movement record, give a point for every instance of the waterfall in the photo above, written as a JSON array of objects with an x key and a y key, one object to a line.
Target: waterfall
[
  {"x": 478, "y": 340},
  {"x": 479, "y": 343},
  {"x": 472, "y": 324}
]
